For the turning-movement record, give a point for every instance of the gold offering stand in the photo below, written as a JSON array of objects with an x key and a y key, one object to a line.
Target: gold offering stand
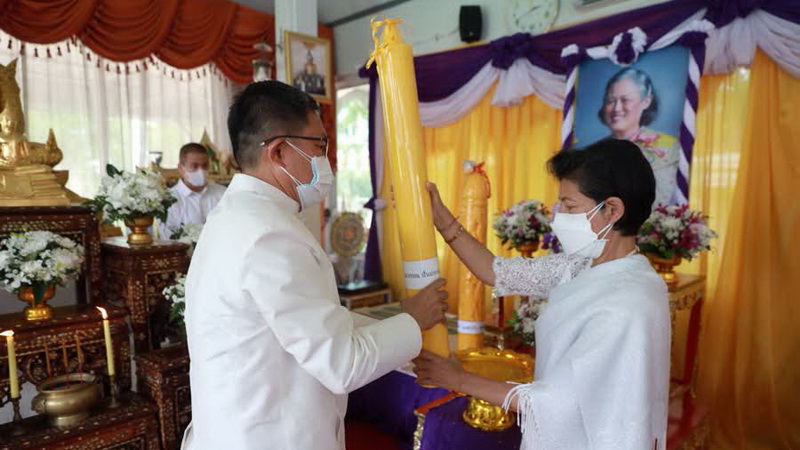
[{"x": 498, "y": 365}]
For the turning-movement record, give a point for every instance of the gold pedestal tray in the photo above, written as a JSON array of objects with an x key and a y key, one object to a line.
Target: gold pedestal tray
[{"x": 498, "y": 365}]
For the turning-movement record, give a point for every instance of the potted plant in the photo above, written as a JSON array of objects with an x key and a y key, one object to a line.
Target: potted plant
[
  {"x": 522, "y": 324},
  {"x": 188, "y": 233},
  {"x": 33, "y": 263},
  {"x": 135, "y": 198},
  {"x": 176, "y": 295},
  {"x": 672, "y": 233},
  {"x": 523, "y": 225}
]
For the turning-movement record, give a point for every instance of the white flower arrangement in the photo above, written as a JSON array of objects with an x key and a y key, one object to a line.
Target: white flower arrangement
[
  {"x": 127, "y": 196},
  {"x": 38, "y": 258},
  {"x": 176, "y": 294},
  {"x": 188, "y": 233},
  {"x": 675, "y": 230},
  {"x": 522, "y": 324},
  {"x": 525, "y": 222}
]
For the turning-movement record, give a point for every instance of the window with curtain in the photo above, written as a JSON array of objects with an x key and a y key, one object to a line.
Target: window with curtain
[
  {"x": 103, "y": 112},
  {"x": 353, "y": 188}
]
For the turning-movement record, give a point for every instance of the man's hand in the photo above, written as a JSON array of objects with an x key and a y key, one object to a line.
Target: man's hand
[{"x": 427, "y": 306}]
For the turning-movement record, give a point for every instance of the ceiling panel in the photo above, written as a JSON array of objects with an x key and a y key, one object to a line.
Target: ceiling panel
[{"x": 328, "y": 10}]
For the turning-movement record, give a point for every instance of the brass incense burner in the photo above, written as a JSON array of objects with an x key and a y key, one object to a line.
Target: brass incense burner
[
  {"x": 499, "y": 365},
  {"x": 67, "y": 399}
]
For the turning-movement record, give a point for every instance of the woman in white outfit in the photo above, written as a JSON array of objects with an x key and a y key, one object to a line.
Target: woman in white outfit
[{"x": 603, "y": 340}]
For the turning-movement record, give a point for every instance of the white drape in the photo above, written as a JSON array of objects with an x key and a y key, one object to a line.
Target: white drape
[
  {"x": 101, "y": 116},
  {"x": 734, "y": 44},
  {"x": 726, "y": 48}
]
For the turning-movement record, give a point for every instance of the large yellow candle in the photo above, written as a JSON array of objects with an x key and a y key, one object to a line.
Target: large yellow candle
[
  {"x": 109, "y": 343},
  {"x": 471, "y": 294},
  {"x": 13, "y": 379},
  {"x": 407, "y": 170}
]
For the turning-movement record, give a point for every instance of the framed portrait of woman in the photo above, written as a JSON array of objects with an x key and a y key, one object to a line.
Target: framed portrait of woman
[
  {"x": 643, "y": 102},
  {"x": 308, "y": 65}
]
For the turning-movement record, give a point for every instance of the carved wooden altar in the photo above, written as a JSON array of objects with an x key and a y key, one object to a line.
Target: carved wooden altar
[
  {"x": 163, "y": 376},
  {"x": 687, "y": 294},
  {"x": 42, "y": 344},
  {"x": 78, "y": 223},
  {"x": 137, "y": 276},
  {"x": 688, "y": 422},
  {"x": 133, "y": 425}
]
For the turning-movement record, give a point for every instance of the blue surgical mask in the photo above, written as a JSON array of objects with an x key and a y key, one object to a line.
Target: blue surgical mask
[{"x": 315, "y": 191}]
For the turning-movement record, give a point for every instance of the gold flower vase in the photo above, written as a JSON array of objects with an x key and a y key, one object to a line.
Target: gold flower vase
[
  {"x": 139, "y": 234},
  {"x": 38, "y": 309},
  {"x": 527, "y": 249},
  {"x": 665, "y": 267}
]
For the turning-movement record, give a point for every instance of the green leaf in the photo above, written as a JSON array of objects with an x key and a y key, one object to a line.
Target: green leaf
[{"x": 111, "y": 170}]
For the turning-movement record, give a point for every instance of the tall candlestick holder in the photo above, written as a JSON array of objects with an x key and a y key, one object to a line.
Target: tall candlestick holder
[
  {"x": 17, "y": 430},
  {"x": 114, "y": 402}
]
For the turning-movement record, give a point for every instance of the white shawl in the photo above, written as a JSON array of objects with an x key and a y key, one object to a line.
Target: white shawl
[{"x": 602, "y": 360}]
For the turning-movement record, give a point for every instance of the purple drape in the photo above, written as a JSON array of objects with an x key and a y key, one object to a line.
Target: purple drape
[{"x": 372, "y": 258}]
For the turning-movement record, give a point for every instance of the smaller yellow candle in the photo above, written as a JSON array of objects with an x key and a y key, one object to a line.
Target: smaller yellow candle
[
  {"x": 109, "y": 345},
  {"x": 12, "y": 363}
]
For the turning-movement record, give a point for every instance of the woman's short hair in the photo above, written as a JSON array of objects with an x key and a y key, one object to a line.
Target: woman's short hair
[
  {"x": 611, "y": 168},
  {"x": 646, "y": 88}
]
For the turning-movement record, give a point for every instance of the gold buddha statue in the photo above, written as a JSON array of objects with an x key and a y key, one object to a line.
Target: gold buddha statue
[{"x": 26, "y": 168}]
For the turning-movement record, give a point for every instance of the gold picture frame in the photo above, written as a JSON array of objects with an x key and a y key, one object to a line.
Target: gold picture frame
[{"x": 308, "y": 65}]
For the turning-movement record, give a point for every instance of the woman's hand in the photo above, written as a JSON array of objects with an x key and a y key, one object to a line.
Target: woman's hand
[
  {"x": 433, "y": 370},
  {"x": 442, "y": 217}
]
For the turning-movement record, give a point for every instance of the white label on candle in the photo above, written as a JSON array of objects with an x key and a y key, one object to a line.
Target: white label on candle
[
  {"x": 470, "y": 327},
  {"x": 419, "y": 274}
]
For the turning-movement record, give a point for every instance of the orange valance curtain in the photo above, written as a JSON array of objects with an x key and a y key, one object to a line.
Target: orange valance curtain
[{"x": 182, "y": 33}]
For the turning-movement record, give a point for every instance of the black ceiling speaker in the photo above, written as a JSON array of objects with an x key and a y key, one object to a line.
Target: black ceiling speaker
[{"x": 470, "y": 23}]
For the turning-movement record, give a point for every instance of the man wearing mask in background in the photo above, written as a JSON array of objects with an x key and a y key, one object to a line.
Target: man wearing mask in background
[
  {"x": 196, "y": 195},
  {"x": 273, "y": 353}
]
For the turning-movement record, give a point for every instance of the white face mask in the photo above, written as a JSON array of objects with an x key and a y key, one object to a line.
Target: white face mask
[
  {"x": 574, "y": 232},
  {"x": 316, "y": 190},
  {"x": 196, "y": 178}
]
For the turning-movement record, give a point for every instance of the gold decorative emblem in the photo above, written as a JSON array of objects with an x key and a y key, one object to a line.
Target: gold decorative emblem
[{"x": 347, "y": 234}]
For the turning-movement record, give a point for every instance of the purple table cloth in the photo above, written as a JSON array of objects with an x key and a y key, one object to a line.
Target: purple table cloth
[
  {"x": 388, "y": 404},
  {"x": 445, "y": 429}
]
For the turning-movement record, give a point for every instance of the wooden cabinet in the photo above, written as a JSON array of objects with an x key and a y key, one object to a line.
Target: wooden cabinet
[
  {"x": 136, "y": 277},
  {"x": 163, "y": 377},
  {"x": 78, "y": 223},
  {"x": 131, "y": 426},
  {"x": 50, "y": 347}
]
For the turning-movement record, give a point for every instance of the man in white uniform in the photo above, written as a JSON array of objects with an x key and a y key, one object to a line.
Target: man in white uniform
[
  {"x": 196, "y": 195},
  {"x": 273, "y": 354}
]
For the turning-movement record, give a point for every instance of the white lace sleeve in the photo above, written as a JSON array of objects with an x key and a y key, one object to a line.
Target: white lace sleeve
[{"x": 533, "y": 276}]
